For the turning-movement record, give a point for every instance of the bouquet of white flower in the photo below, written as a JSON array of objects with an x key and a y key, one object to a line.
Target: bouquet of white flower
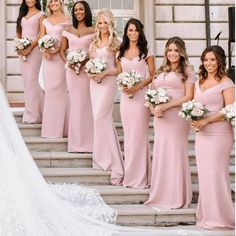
[
  {"x": 156, "y": 96},
  {"x": 192, "y": 110},
  {"x": 229, "y": 112},
  {"x": 21, "y": 44},
  {"x": 47, "y": 42},
  {"x": 128, "y": 80},
  {"x": 95, "y": 66},
  {"x": 76, "y": 58}
]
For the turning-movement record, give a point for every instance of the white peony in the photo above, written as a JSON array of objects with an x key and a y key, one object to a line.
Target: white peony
[
  {"x": 95, "y": 66},
  {"x": 229, "y": 111},
  {"x": 192, "y": 110},
  {"x": 197, "y": 112},
  {"x": 157, "y": 96},
  {"x": 47, "y": 42},
  {"x": 21, "y": 44}
]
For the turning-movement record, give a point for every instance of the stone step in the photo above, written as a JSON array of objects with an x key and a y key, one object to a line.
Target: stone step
[
  {"x": 46, "y": 145},
  {"x": 142, "y": 215},
  {"x": 35, "y": 129},
  {"x": 186, "y": 230},
  {"x": 30, "y": 129},
  {"x": 60, "y": 144},
  {"x": 121, "y": 195},
  {"x": 90, "y": 176},
  {"x": 62, "y": 159},
  {"x": 65, "y": 159},
  {"x": 18, "y": 112},
  {"x": 76, "y": 175}
]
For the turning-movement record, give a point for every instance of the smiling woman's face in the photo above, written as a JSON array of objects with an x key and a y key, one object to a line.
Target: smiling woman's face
[
  {"x": 210, "y": 63},
  {"x": 132, "y": 33}
]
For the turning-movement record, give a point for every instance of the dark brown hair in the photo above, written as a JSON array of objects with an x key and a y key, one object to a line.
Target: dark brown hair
[
  {"x": 142, "y": 42},
  {"x": 23, "y": 12},
  {"x": 220, "y": 58}
]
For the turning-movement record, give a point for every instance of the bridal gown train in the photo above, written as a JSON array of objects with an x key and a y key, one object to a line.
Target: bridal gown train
[{"x": 31, "y": 207}]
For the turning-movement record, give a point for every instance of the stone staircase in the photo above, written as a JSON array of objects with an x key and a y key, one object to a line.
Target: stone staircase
[{"x": 57, "y": 165}]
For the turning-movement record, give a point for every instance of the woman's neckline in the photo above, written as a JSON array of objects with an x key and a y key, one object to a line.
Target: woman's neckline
[{"x": 31, "y": 15}]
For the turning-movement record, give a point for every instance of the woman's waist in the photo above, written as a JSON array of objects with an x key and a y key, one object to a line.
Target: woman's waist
[
  {"x": 31, "y": 36},
  {"x": 223, "y": 126}
]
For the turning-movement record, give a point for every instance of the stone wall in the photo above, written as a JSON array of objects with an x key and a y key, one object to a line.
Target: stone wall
[{"x": 187, "y": 19}]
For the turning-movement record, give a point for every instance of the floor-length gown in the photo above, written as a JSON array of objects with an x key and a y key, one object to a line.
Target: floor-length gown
[
  {"x": 80, "y": 132},
  {"x": 55, "y": 113},
  {"x": 33, "y": 95},
  {"x": 171, "y": 180},
  {"x": 106, "y": 150},
  {"x": 135, "y": 120},
  {"x": 213, "y": 147}
]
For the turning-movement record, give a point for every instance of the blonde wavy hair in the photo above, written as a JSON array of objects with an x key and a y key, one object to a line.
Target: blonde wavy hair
[
  {"x": 49, "y": 11},
  {"x": 113, "y": 42},
  {"x": 183, "y": 63}
]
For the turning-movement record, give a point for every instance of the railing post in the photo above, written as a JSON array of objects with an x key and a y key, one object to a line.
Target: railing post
[
  {"x": 3, "y": 43},
  {"x": 207, "y": 23}
]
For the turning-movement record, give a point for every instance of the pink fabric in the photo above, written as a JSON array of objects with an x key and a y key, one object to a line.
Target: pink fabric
[
  {"x": 171, "y": 180},
  {"x": 80, "y": 133},
  {"x": 55, "y": 112},
  {"x": 213, "y": 146},
  {"x": 106, "y": 152},
  {"x": 135, "y": 119},
  {"x": 30, "y": 71}
]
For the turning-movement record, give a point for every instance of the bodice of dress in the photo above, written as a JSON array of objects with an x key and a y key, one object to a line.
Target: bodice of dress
[
  {"x": 140, "y": 66},
  {"x": 30, "y": 27},
  {"x": 173, "y": 83},
  {"x": 213, "y": 100},
  {"x": 212, "y": 97},
  {"x": 55, "y": 30},
  {"x": 76, "y": 42},
  {"x": 105, "y": 54}
]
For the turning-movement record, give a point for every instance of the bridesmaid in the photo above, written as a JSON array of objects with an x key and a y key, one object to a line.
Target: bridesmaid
[
  {"x": 134, "y": 55},
  {"x": 28, "y": 25},
  {"x": 171, "y": 180},
  {"x": 54, "y": 123},
  {"x": 103, "y": 87},
  {"x": 214, "y": 142},
  {"x": 79, "y": 36}
]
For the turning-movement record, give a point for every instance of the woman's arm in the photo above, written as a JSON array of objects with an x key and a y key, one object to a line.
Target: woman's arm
[
  {"x": 42, "y": 33},
  {"x": 151, "y": 69},
  {"x": 18, "y": 35},
  {"x": 64, "y": 47}
]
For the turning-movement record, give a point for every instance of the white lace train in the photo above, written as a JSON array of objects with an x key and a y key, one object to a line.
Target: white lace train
[{"x": 31, "y": 207}]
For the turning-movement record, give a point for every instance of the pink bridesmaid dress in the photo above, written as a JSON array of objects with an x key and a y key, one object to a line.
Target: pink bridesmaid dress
[
  {"x": 135, "y": 120},
  {"x": 55, "y": 113},
  {"x": 171, "y": 180},
  {"x": 213, "y": 146},
  {"x": 30, "y": 72},
  {"x": 80, "y": 132},
  {"x": 106, "y": 149}
]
